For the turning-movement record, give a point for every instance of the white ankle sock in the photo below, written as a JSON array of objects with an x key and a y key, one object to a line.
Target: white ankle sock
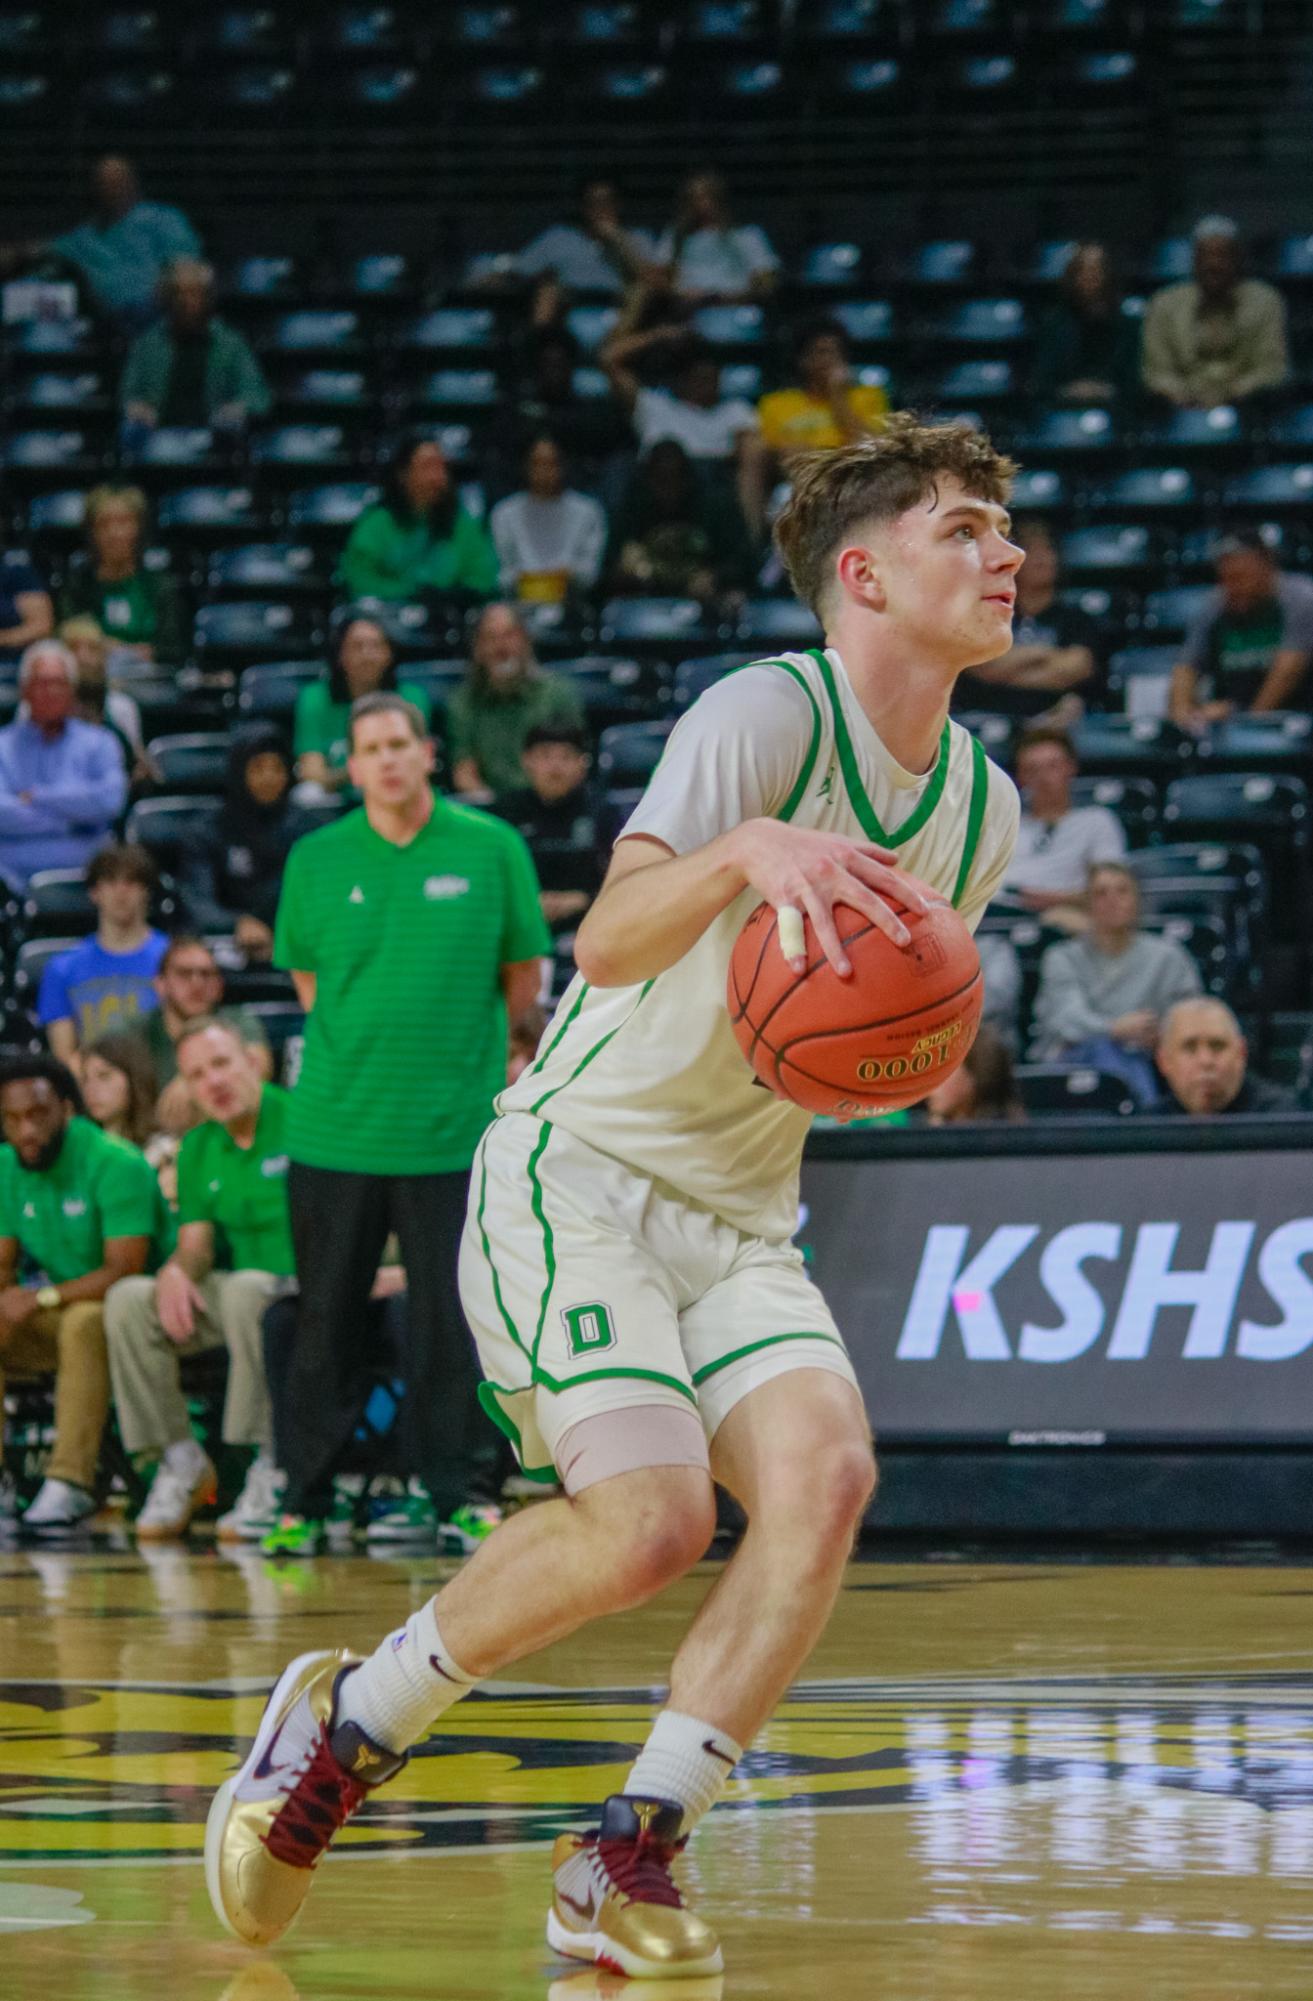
[
  {"x": 684, "y": 1760},
  {"x": 405, "y": 1685}
]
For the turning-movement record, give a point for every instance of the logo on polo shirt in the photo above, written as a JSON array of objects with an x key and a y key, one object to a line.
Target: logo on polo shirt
[
  {"x": 440, "y": 888},
  {"x": 73, "y": 1205},
  {"x": 276, "y": 1164},
  {"x": 214, "y": 1188},
  {"x": 357, "y": 895},
  {"x": 29, "y": 1211}
]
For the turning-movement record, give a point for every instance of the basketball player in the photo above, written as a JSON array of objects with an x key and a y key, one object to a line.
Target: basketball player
[{"x": 644, "y": 1322}]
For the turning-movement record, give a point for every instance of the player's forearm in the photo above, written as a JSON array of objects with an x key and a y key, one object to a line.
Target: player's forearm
[{"x": 646, "y": 920}]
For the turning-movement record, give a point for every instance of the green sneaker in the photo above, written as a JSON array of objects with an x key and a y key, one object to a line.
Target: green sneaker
[
  {"x": 412, "y": 1517},
  {"x": 469, "y": 1525},
  {"x": 293, "y": 1535}
]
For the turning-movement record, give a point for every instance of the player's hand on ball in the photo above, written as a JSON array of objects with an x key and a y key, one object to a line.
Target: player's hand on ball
[{"x": 804, "y": 872}]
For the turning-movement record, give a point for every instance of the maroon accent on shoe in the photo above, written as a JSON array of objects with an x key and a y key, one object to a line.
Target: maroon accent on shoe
[
  {"x": 323, "y": 1798},
  {"x": 641, "y": 1869}
]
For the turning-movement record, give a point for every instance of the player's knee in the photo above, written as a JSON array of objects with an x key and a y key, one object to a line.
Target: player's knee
[
  {"x": 826, "y": 1494},
  {"x": 851, "y": 1480},
  {"x": 666, "y": 1533}
]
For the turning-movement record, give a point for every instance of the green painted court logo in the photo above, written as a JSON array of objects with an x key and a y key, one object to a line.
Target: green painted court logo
[{"x": 588, "y": 1328}]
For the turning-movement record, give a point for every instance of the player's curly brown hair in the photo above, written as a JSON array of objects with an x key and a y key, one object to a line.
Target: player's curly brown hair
[{"x": 876, "y": 480}]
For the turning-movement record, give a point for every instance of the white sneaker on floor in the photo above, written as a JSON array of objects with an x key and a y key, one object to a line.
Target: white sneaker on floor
[
  {"x": 174, "y": 1498},
  {"x": 58, "y": 1508},
  {"x": 257, "y": 1507}
]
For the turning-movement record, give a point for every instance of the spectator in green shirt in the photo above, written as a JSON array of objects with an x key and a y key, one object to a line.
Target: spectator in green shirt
[
  {"x": 83, "y": 1210},
  {"x": 504, "y": 695},
  {"x": 418, "y": 541},
  {"x": 412, "y": 930},
  {"x": 362, "y": 661},
  {"x": 140, "y": 611},
  {"x": 191, "y": 368},
  {"x": 189, "y": 985},
  {"x": 234, "y": 1246}
]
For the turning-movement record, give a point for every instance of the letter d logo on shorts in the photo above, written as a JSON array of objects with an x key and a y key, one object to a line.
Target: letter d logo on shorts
[{"x": 588, "y": 1328}]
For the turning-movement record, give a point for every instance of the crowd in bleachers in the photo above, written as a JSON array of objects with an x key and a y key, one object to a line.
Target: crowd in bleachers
[{"x": 535, "y": 503}]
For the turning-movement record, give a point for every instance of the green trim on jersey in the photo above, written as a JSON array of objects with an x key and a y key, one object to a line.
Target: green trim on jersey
[
  {"x": 549, "y": 1242},
  {"x": 507, "y": 1322},
  {"x": 596, "y": 1050},
  {"x": 975, "y": 817},
  {"x": 767, "y": 1341},
  {"x": 539, "y": 1061},
  {"x": 852, "y": 778},
  {"x": 488, "y": 1393},
  {"x": 799, "y": 792}
]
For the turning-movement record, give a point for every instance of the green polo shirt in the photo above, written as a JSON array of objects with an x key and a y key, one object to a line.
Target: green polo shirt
[
  {"x": 241, "y": 1191},
  {"x": 405, "y": 1046},
  {"x": 99, "y": 1187}
]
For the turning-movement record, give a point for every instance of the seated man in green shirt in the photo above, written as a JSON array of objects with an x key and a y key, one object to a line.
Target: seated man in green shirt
[
  {"x": 234, "y": 1246},
  {"x": 189, "y": 984},
  {"x": 84, "y": 1209}
]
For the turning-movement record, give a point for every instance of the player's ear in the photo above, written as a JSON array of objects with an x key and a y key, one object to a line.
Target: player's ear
[{"x": 859, "y": 572}]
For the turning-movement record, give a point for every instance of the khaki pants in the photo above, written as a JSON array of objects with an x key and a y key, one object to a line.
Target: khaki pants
[
  {"x": 67, "y": 1342},
  {"x": 143, "y": 1361}
]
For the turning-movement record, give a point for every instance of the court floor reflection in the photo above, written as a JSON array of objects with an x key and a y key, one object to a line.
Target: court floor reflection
[{"x": 998, "y": 1782}]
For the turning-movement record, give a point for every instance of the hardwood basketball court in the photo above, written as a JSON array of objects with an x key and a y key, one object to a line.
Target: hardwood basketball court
[{"x": 1001, "y": 1781}]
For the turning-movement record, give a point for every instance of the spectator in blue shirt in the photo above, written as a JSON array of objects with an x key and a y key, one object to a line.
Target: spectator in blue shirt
[
  {"x": 62, "y": 781},
  {"x": 123, "y": 250},
  {"x": 108, "y": 981},
  {"x": 26, "y": 610}
]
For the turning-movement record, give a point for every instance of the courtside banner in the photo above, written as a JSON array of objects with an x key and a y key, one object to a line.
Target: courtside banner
[{"x": 1094, "y": 1293}]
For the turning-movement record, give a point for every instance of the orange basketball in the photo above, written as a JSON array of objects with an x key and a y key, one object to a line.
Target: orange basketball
[{"x": 875, "y": 1042}]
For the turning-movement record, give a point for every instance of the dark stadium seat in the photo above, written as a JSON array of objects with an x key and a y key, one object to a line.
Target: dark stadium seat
[
  {"x": 1284, "y": 1052},
  {"x": 329, "y": 511},
  {"x": 329, "y": 330},
  {"x": 694, "y": 677},
  {"x": 1084, "y": 432},
  {"x": 446, "y": 389},
  {"x": 830, "y": 267},
  {"x": 194, "y": 762},
  {"x": 1134, "y": 801},
  {"x": 1039, "y": 490},
  {"x": 628, "y": 84},
  {"x": 1170, "y": 612},
  {"x": 48, "y": 453},
  {"x": 56, "y": 904},
  {"x": 1286, "y": 486},
  {"x": 985, "y": 75},
  {"x": 946, "y": 261},
  {"x": 259, "y": 92},
  {"x": 1269, "y": 810},
  {"x": 56, "y": 517},
  {"x": 80, "y": 393},
  {"x": 995, "y": 323},
  {"x": 963, "y": 17},
  {"x": 487, "y": 26},
  {"x": 257, "y": 568},
  {"x": 207, "y": 513},
  {"x": 974, "y": 382},
  {"x": 231, "y": 634},
  {"x": 1277, "y": 741},
  {"x": 778, "y": 622},
  {"x": 512, "y": 85},
  {"x": 450, "y": 329},
  {"x": 590, "y": 325},
  {"x": 264, "y": 277},
  {"x": 1197, "y": 430},
  {"x": 294, "y": 448},
  {"x": 867, "y": 78},
  {"x": 1156, "y": 488},
  {"x": 269, "y": 688},
  {"x": 164, "y": 824},
  {"x": 1146, "y": 669},
  {"x": 308, "y": 391},
  {"x": 867, "y": 322},
  {"x": 993, "y": 731},
  {"x": 615, "y": 691},
  {"x": 135, "y": 94},
  {"x": 1131, "y": 747},
  {"x": 171, "y": 446},
  {"x": 730, "y": 326},
  {"x": 672, "y": 624},
  {"x": 68, "y": 340},
  {"x": 1207, "y": 936},
  {"x": 31, "y": 960},
  {"x": 1098, "y": 551},
  {"x": 1050, "y": 1090},
  {"x": 628, "y": 754}
]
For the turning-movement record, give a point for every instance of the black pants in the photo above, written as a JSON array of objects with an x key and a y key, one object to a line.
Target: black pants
[{"x": 340, "y": 1224}]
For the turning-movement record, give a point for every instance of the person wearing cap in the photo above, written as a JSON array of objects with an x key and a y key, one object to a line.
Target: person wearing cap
[
  {"x": 555, "y": 813},
  {"x": 1216, "y": 337},
  {"x": 1249, "y": 646}
]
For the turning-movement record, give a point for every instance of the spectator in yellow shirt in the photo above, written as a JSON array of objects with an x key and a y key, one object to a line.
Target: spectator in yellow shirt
[{"x": 828, "y": 407}]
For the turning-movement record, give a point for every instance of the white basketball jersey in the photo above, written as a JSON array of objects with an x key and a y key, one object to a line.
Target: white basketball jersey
[{"x": 652, "y": 1074}]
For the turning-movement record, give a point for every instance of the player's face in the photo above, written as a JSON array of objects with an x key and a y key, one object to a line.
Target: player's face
[
  {"x": 946, "y": 576},
  {"x": 389, "y": 764}
]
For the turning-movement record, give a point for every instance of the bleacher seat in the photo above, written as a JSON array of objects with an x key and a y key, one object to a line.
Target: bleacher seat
[
  {"x": 1277, "y": 741},
  {"x": 1285, "y": 1052},
  {"x": 256, "y": 568},
  {"x": 1268, "y": 810},
  {"x": 264, "y": 277},
  {"x": 450, "y": 329},
  {"x": 778, "y": 622},
  {"x": 652, "y": 623},
  {"x": 1171, "y": 612},
  {"x": 196, "y": 761},
  {"x": 30, "y": 962},
  {"x": 56, "y": 905},
  {"x": 190, "y": 446},
  {"x": 338, "y": 389},
  {"x": 946, "y": 261},
  {"x": 995, "y": 323},
  {"x": 1206, "y": 937},
  {"x": 229, "y": 634},
  {"x": 828, "y": 267},
  {"x": 1141, "y": 677},
  {"x": 1061, "y": 431},
  {"x": 329, "y": 511},
  {"x": 269, "y": 688},
  {"x": 993, "y": 732},
  {"x": 1055, "y": 1090},
  {"x": 1099, "y": 551},
  {"x": 164, "y": 824},
  {"x": 870, "y": 77},
  {"x": 295, "y": 447},
  {"x": 866, "y": 322},
  {"x": 329, "y": 330},
  {"x": 1131, "y": 747},
  {"x": 204, "y": 513},
  {"x": 694, "y": 677},
  {"x": 1288, "y": 486},
  {"x": 1197, "y": 430},
  {"x": 730, "y": 326},
  {"x": 1134, "y": 801},
  {"x": 1038, "y": 490},
  {"x": 628, "y": 754},
  {"x": 1160, "y": 489}
]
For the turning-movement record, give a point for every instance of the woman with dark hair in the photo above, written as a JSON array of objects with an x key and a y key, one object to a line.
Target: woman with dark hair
[
  {"x": 674, "y": 537},
  {"x": 118, "y": 1087},
  {"x": 418, "y": 541},
  {"x": 231, "y": 872},
  {"x": 1087, "y": 350},
  {"x": 504, "y": 695},
  {"x": 361, "y": 662},
  {"x": 139, "y": 610},
  {"x": 983, "y": 1087}
]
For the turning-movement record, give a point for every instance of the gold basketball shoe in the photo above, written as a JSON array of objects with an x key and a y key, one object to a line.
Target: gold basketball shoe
[
  {"x": 305, "y": 1776},
  {"x": 616, "y": 1902}
]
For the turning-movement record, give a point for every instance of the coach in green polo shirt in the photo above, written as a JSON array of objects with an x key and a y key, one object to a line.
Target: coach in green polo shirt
[
  {"x": 84, "y": 1209},
  {"x": 234, "y": 1247},
  {"x": 411, "y": 927}
]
